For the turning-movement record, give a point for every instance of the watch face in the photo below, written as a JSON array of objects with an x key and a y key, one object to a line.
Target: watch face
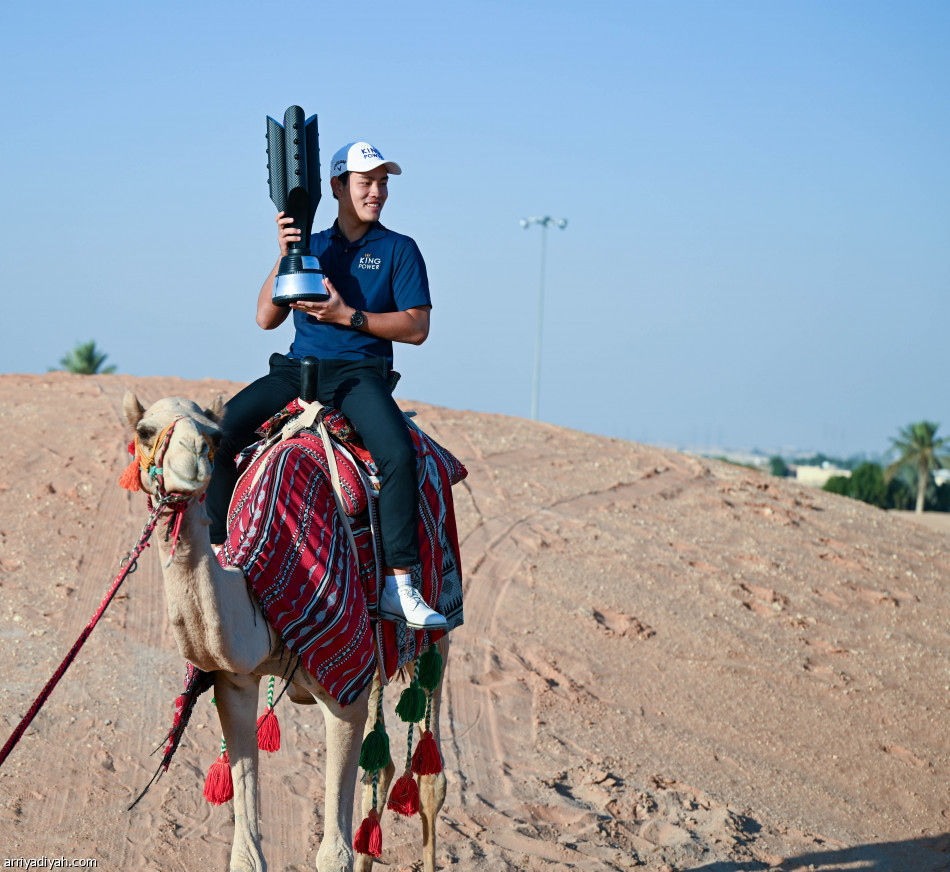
[{"x": 357, "y": 318}]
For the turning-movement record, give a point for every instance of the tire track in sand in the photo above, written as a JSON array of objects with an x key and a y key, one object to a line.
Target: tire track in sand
[{"x": 491, "y": 558}]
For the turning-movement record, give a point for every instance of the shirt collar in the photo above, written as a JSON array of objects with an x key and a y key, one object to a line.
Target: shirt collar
[{"x": 377, "y": 231}]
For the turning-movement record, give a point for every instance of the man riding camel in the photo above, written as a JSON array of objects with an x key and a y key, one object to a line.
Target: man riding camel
[{"x": 378, "y": 294}]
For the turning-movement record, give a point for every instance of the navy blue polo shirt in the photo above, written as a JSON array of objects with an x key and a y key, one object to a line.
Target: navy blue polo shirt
[{"x": 382, "y": 272}]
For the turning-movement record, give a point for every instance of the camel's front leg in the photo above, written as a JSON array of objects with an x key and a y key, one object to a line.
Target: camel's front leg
[
  {"x": 236, "y": 699},
  {"x": 344, "y": 737},
  {"x": 432, "y": 787},
  {"x": 364, "y": 862}
]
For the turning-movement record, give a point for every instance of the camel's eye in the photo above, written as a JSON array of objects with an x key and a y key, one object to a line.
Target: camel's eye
[{"x": 145, "y": 432}]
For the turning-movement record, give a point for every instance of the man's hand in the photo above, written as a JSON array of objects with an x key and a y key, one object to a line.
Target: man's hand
[
  {"x": 287, "y": 233},
  {"x": 332, "y": 311}
]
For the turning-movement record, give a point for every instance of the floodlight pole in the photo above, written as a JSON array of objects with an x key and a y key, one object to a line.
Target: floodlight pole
[{"x": 545, "y": 222}]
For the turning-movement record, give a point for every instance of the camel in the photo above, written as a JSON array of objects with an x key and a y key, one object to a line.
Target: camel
[{"x": 219, "y": 626}]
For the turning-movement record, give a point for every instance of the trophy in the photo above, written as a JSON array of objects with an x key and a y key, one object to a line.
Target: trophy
[{"x": 293, "y": 164}]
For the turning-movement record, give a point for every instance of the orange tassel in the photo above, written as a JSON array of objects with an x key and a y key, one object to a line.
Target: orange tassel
[
  {"x": 268, "y": 731},
  {"x": 427, "y": 760},
  {"x": 404, "y": 797},
  {"x": 219, "y": 788},
  {"x": 369, "y": 837},
  {"x": 130, "y": 478}
]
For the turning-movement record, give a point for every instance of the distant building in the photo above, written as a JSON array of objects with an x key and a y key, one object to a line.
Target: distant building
[{"x": 817, "y": 476}]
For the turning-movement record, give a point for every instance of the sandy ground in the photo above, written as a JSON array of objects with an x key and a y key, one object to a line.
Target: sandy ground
[{"x": 667, "y": 664}]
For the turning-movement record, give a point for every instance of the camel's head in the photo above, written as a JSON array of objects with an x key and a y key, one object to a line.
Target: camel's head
[{"x": 174, "y": 441}]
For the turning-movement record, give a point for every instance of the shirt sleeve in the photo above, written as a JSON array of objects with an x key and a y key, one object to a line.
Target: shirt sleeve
[{"x": 410, "y": 280}]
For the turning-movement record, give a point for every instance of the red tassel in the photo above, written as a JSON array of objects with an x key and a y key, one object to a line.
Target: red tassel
[
  {"x": 219, "y": 788},
  {"x": 369, "y": 837},
  {"x": 268, "y": 731},
  {"x": 427, "y": 760},
  {"x": 404, "y": 797},
  {"x": 130, "y": 478}
]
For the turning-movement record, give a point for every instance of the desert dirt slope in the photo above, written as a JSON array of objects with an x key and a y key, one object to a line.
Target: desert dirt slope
[{"x": 667, "y": 664}]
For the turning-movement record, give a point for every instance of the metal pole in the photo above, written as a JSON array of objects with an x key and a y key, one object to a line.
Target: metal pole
[
  {"x": 536, "y": 392},
  {"x": 545, "y": 222}
]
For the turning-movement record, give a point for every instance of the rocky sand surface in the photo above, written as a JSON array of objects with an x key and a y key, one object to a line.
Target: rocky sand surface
[{"x": 668, "y": 663}]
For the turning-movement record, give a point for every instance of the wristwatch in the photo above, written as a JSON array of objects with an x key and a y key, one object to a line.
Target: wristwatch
[{"x": 357, "y": 320}]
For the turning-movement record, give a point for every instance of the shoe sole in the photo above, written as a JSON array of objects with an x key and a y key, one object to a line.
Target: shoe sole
[{"x": 391, "y": 616}]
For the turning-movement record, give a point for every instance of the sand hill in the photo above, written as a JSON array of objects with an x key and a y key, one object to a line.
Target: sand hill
[{"x": 667, "y": 664}]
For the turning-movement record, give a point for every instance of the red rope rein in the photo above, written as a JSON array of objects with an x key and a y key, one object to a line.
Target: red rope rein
[{"x": 128, "y": 569}]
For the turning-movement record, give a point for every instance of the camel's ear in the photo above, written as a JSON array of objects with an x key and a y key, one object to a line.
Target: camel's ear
[
  {"x": 133, "y": 409},
  {"x": 216, "y": 411}
]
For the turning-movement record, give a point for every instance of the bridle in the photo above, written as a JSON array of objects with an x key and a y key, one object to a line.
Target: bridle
[{"x": 151, "y": 465}]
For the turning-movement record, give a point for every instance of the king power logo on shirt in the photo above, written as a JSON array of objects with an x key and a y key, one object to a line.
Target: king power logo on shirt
[{"x": 367, "y": 261}]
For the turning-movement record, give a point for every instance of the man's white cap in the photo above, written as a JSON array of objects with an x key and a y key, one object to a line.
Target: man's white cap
[{"x": 360, "y": 157}]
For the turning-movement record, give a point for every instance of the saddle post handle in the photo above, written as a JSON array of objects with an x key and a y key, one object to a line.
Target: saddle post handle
[
  {"x": 308, "y": 379},
  {"x": 307, "y": 399}
]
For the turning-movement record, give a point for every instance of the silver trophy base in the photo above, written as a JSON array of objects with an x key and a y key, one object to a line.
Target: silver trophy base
[{"x": 294, "y": 284}]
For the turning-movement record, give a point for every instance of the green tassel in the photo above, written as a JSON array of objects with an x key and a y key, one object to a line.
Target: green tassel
[
  {"x": 412, "y": 704},
  {"x": 375, "y": 751},
  {"x": 429, "y": 668}
]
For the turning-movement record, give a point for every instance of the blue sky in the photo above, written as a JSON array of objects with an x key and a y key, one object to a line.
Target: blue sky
[{"x": 758, "y": 197}]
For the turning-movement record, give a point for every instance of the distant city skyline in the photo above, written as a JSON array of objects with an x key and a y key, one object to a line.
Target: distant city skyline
[{"x": 759, "y": 201}]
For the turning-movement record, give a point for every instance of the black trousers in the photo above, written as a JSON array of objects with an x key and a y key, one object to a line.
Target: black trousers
[{"x": 359, "y": 389}]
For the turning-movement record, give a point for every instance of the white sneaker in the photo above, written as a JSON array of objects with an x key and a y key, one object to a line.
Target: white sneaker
[{"x": 405, "y": 603}]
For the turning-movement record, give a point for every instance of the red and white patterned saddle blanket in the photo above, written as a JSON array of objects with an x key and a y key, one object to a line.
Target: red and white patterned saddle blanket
[{"x": 285, "y": 534}]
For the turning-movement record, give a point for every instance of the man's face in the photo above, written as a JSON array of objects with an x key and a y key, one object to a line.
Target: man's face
[{"x": 364, "y": 195}]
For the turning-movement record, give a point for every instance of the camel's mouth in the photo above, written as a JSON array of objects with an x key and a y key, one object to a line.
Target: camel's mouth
[{"x": 187, "y": 473}]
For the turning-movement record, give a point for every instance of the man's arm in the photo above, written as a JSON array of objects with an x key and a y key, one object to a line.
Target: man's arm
[
  {"x": 270, "y": 316},
  {"x": 410, "y": 325}
]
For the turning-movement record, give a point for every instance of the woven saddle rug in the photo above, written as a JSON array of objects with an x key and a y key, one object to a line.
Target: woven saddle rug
[{"x": 285, "y": 534}]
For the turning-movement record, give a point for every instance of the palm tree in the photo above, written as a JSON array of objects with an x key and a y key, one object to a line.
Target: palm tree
[
  {"x": 919, "y": 448},
  {"x": 86, "y": 359}
]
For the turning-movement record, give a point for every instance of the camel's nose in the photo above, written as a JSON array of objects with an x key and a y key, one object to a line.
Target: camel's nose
[{"x": 186, "y": 465}]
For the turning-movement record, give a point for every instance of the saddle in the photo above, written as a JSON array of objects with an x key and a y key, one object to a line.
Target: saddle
[{"x": 312, "y": 556}]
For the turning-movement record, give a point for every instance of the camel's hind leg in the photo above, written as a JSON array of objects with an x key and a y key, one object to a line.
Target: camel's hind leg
[
  {"x": 432, "y": 787},
  {"x": 236, "y": 700},
  {"x": 364, "y": 862}
]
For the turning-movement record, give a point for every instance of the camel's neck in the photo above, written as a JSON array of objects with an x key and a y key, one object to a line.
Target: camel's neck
[
  {"x": 193, "y": 545},
  {"x": 215, "y": 618}
]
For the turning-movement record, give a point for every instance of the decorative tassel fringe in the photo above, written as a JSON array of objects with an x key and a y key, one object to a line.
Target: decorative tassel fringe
[
  {"x": 412, "y": 704},
  {"x": 130, "y": 478},
  {"x": 369, "y": 837},
  {"x": 268, "y": 731},
  {"x": 219, "y": 788},
  {"x": 374, "y": 754},
  {"x": 429, "y": 668},
  {"x": 427, "y": 760},
  {"x": 404, "y": 797},
  {"x": 179, "y": 706}
]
